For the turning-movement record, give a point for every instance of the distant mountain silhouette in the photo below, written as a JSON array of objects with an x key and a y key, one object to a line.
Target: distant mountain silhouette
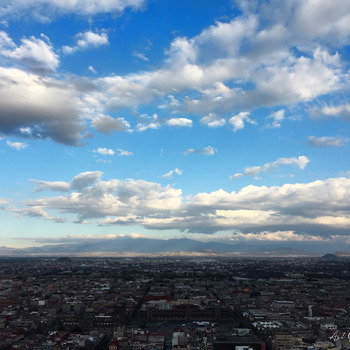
[
  {"x": 128, "y": 246},
  {"x": 329, "y": 257}
]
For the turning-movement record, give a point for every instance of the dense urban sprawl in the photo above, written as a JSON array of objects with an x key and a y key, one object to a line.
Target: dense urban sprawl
[{"x": 175, "y": 303}]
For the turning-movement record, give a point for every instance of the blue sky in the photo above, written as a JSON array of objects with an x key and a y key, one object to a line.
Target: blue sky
[{"x": 214, "y": 121}]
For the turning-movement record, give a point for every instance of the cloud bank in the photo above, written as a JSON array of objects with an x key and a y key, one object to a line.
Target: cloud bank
[
  {"x": 272, "y": 54},
  {"x": 318, "y": 208}
]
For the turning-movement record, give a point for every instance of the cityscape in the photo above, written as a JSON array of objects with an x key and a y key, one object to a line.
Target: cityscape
[
  {"x": 175, "y": 303},
  {"x": 175, "y": 174}
]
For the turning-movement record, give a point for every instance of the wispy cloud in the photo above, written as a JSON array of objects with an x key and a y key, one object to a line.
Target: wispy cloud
[
  {"x": 300, "y": 162},
  {"x": 213, "y": 121},
  {"x": 277, "y": 117},
  {"x": 236, "y": 176},
  {"x": 141, "y": 56},
  {"x": 337, "y": 111},
  {"x": 92, "y": 69},
  {"x": 17, "y": 145},
  {"x": 148, "y": 122},
  {"x": 47, "y": 10},
  {"x": 171, "y": 172},
  {"x": 208, "y": 151},
  {"x": 326, "y": 141},
  {"x": 79, "y": 182},
  {"x": 124, "y": 153}
]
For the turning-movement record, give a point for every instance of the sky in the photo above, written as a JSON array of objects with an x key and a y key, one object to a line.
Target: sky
[{"x": 224, "y": 121}]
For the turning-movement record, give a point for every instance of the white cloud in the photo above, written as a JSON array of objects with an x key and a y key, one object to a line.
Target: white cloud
[
  {"x": 213, "y": 121},
  {"x": 318, "y": 208},
  {"x": 46, "y": 10},
  {"x": 141, "y": 56},
  {"x": 238, "y": 120},
  {"x": 208, "y": 151},
  {"x": 277, "y": 117},
  {"x": 98, "y": 199},
  {"x": 3, "y": 201},
  {"x": 339, "y": 111},
  {"x": 83, "y": 180},
  {"x": 79, "y": 182},
  {"x": 325, "y": 141},
  {"x": 92, "y": 69},
  {"x": 59, "y": 186},
  {"x": 277, "y": 236},
  {"x": 86, "y": 41},
  {"x": 104, "y": 151},
  {"x": 143, "y": 127},
  {"x": 179, "y": 122},
  {"x": 236, "y": 176},
  {"x": 124, "y": 153},
  {"x": 238, "y": 65},
  {"x": 148, "y": 122},
  {"x": 316, "y": 19},
  {"x": 17, "y": 145},
  {"x": 36, "y": 54},
  {"x": 171, "y": 172},
  {"x": 300, "y": 162}
]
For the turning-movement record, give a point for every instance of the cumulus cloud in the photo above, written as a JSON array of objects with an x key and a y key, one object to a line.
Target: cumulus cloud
[
  {"x": 104, "y": 151},
  {"x": 316, "y": 208},
  {"x": 207, "y": 151},
  {"x": 36, "y": 54},
  {"x": 106, "y": 124},
  {"x": 243, "y": 64},
  {"x": 38, "y": 107},
  {"x": 238, "y": 120},
  {"x": 213, "y": 121},
  {"x": 46, "y": 10},
  {"x": 217, "y": 67},
  {"x": 171, "y": 172},
  {"x": 86, "y": 41},
  {"x": 124, "y": 153},
  {"x": 179, "y": 122},
  {"x": 42, "y": 107},
  {"x": 325, "y": 141},
  {"x": 17, "y": 145},
  {"x": 86, "y": 179},
  {"x": 98, "y": 199}
]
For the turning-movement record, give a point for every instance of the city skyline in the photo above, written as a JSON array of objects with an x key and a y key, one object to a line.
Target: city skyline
[{"x": 217, "y": 122}]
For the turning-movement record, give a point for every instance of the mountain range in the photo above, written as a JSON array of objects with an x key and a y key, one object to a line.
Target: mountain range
[{"x": 127, "y": 246}]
